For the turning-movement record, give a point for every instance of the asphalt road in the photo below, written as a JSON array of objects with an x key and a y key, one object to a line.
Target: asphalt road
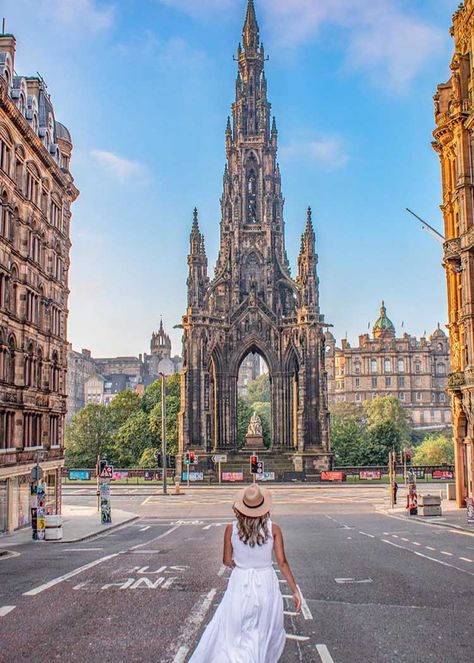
[{"x": 376, "y": 588}]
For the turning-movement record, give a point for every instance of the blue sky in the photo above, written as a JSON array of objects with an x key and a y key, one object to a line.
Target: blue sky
[{"x": 145, "y": 89}]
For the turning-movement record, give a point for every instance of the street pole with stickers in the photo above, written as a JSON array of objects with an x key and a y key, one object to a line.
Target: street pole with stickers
[{"x": 38, "y": 502}]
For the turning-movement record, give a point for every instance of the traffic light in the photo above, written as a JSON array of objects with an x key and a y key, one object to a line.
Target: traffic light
[
  {"x": 101, "y": 465},
  {"x": 171, "y": 461},
  {"x": 254, "y": 464},
  {"x": 192, "y": 458},
  {"x": 158, "y": 460},
  {"x": 187, "y": 458}
]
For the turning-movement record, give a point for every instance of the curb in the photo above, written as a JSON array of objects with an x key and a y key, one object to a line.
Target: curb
[
  {"x": 425, "y": 521},
  {"x": 99, "y": 532}
]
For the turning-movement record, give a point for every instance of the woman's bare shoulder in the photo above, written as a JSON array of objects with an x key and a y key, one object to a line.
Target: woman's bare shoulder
[
  {"x": 276, "y": 529},
  {"x": 228, "y": 529}
]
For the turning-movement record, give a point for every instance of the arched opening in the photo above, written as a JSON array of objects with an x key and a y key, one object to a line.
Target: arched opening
[{"x": 254, "y": 396}]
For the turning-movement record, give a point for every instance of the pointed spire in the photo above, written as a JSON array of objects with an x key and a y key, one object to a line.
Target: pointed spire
[
  {"x": 309, "y": 221},
  {"x": 274, "y": 126},
  {"x": 195, "y": 221},
  {"x": 161, "y": 325},
  {"x": 228, "y": 128},
  {"x": 250, "y": 32}
]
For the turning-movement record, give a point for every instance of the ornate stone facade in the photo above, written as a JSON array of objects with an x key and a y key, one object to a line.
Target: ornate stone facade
[
  {"x": 36, "y": 193},
  {"x": 454, "y": 142},
  {"x": 252, "y": 304},
  {"x": 413, "y": 370}
]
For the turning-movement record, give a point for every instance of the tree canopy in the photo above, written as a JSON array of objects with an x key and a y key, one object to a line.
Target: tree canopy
[{"x": 436, "y": 449}]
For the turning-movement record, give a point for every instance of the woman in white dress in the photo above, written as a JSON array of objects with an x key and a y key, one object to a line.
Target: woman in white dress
[{"x": 247, "y": 626}]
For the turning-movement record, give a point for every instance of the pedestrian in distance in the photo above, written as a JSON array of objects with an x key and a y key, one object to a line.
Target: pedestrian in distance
[
  {"x": 394, "y": 491},
  {"x": 247, "y": 626}
]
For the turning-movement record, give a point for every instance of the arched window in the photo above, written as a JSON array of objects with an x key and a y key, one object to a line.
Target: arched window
[
  {"x": 13, "y": 291},
  {"x": 22, "y": 104},
  {"x": 10, "y": 372},
  {"x": 387, "y": 366},
  {"x": 39, "y": 370},
  {"x": 19, "y": 168},
  {"x": 401, "y": 366},
  {"x": 29, "y": 366},
  {"x": 252, "y": 189},
  {"x": 54, "y": 373},
  {"x": 5, "y": 150}
]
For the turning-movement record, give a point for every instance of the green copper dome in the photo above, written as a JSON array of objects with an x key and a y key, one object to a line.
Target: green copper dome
[{"x": 384, "y": 323}]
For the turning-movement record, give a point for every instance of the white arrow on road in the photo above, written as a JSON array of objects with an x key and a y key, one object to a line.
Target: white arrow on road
[{"x": 214, "y": 525}]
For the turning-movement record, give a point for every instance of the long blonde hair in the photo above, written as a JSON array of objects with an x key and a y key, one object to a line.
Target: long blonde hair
[{"x": 252, "y": 531}]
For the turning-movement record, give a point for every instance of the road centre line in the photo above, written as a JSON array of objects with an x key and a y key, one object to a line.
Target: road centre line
[
  {"x": 193, "y": 624},
  {"x": 5, "y": 609},
  {"x": 324, "y": 654},
  {"x": 372, "y": 536},
  {"x": 445, "y": 552},
  {"x": 433, "y": 559},
  {"x": 429, "y": 547},
  {"x": 298, "y": 638},
  {"x": 415, "y": 543},
  {"x": 80, "y": 549},
  {"x": 66, "y": 576},
  {"x": 466, "y": 559}
]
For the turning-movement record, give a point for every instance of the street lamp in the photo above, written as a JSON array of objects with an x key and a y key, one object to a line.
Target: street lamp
[{"x": 163, "y": 431}]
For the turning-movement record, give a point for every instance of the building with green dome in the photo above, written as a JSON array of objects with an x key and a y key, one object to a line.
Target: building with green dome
[{"x": 415, "y": 370}]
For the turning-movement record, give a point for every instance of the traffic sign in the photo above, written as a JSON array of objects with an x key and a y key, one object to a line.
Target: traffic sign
[
  {"x": 107, "y": 472},
  {"x": 260, "y": 467},
  {"x": 219, "y": 458}
]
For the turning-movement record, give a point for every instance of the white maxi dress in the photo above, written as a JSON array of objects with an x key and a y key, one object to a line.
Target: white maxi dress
[{"x": 247, "y": 626}]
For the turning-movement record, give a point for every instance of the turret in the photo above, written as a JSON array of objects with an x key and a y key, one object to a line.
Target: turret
[
  {"x": 307, "y": 261},
  {"x": 197, "y": 262}
]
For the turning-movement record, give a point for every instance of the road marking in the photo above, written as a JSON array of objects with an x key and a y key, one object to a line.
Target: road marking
[
  {"x": 415, "y": 543},
  {"x": 193, "y": 624},
  {"x": 430, "y": 548},
  {"x": 466, "y": 559},
  {"x": 66, "y": 576},
  {"x": 282, "y": 581},
  {"x": 395, "y": 536},
  {"x": 221, "y": 570},
  {"x": 5, "y": 609},
  {"x": 433, "y": 559},
  {"x": 304, "y": 606},
  {"x": 324, "y": 654},
  {"x": 80, "y": 549},
  {"x": 372, "y": 536},
  {"x": 146, "y": 500},
  {"x": 352, "y": 581},
  {"x": 403, "y": 538},
  {"x": 444, "y": 552},
  {"x": 144, "y": 529},
  {"x": 289, "y": 613},
  {"x": 160, "y": 536},
  {"x": 298, "y": 638}
]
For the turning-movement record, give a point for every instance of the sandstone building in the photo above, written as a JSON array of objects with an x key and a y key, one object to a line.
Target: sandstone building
[
  {"x": 413, "y": 370},
  {"x": 36, "y": 192},
  {"x": 252, "y": 304},
  {"x": 454, "y": 142}
]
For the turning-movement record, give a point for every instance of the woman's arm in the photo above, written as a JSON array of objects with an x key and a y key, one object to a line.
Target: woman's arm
[
  {"x": 282, "y": 562},
  {"x": 228, "y": 550}
]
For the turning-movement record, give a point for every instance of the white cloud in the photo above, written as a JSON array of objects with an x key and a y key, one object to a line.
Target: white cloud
[
  {"x": 380, "y": 38},
  {"x": 390, "y": 44},
  {"x": 329, "y": 151},
  {"x": 122, "y": 169},
  {"x": 86, "y": 15}
]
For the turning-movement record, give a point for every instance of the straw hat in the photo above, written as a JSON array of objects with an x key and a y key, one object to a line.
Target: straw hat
[{"x": 253, "y": 501}]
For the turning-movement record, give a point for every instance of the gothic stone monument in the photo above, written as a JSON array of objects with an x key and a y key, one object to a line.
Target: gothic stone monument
[
  {"x": 252, "y": 304},
  {"x": 254, "y": 437}
]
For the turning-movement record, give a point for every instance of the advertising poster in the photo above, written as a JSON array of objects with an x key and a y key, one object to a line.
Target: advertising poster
[
  {"x": 119, "y": 475},
  {"x": 266, "y": 476},
  {"x": 370, "y": 474},
  {"x": 442, "y": 474},
  {"x": 232, "y": 476},
  {"x": 332, "y": 476},
  {"x": 193, "y": 476},
  {"x": 79, "y": 475}
]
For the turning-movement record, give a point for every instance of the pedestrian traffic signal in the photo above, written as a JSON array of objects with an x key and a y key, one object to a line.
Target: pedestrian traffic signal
[
  {"x": 186, "y": 458},
  {"x": 101, "y": 465},
  {"x": 171, "y": 461},
  {"x": 158, "y": 460},
  {"x": 254, "y": 464},
  {"x": 192, "y": 458}
]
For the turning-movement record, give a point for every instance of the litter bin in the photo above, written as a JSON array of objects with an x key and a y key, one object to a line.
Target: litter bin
[{"x": 53, "y": 528}]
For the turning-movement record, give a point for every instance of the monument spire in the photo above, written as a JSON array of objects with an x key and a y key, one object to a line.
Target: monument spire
[{"x": 251, "y": 34}]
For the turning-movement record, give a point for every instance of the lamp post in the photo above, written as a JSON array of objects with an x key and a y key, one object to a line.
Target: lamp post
[{"x": 163, "y": 432}]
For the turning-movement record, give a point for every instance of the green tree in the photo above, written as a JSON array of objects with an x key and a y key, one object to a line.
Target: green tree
[
  {"x": 87, "y": 436},
  {"x": 388, "y": 409},
  {"x": 244, "y": 412},
  {"x": 147, "y": 459},
  {"x": 172, "y": 412},
  {"x": 122, "y": 406},
  {"x": 258, "y": 390},
  {"x": 347, "y": 441},
  {"x": 132, "y": 438},
  {"x": 435, "y": 449},
  {"x": 381, "y": 438}
]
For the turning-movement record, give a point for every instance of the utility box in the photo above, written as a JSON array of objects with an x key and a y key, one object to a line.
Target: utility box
[
  {"x": 450, "y": 491},
  {"x": 53, "y": 528},
  {"x": 430, "y": 505}
]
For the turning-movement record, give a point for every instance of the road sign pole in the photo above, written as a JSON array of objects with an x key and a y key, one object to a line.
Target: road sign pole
[
  {"x": 163, "y": 432},
  {"x": 220, "y": 474}
]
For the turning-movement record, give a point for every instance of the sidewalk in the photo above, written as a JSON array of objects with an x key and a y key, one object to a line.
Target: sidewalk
[
  {"x": 451, "y": 516},
  {"x": 79, "y": 523}
]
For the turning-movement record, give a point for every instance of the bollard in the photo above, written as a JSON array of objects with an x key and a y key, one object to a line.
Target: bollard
[{"x": 177, "y": 488}]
